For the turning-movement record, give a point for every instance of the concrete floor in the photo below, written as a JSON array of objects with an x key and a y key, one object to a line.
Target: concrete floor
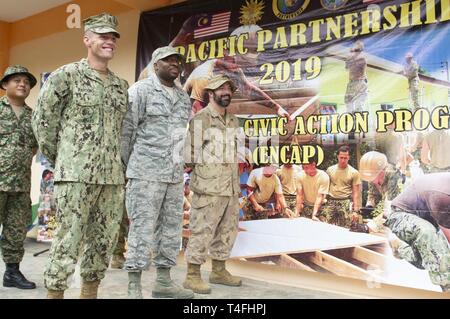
[{"x": 114, "y": 286}]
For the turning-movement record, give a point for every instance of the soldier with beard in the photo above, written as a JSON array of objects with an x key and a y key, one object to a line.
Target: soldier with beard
[{"x": 215, "y": 183}]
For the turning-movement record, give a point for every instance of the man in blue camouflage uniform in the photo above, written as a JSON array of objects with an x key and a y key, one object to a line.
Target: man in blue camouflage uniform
[
  {"x": 78, "y": 124},
  {"x": 420, "y": 217},
  {"x": 17, "y": 148},
  {"x": 153, "y": 137}
]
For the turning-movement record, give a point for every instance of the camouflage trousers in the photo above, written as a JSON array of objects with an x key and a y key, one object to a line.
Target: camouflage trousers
[
  {"x": 251, "y": 214},
  {"x": 337, "y": 212},
  {"x": 307, "y": 212},
  {"x": 123, "y": 233},
  {"x": 423, "y": 246},
  {"x": 414, "y": 92},
  {"x": 88, "y": 218},
  {"x": 291, "y": 201},
  {"x": 155, "y": 211},
  {"x": 214, "y": 225},
  {"x": 15, "y": 216},
  {"x": 356, "y": 96}
]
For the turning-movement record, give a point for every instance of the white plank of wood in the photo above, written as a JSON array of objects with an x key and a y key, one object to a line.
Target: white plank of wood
[{"x": 288, "y": 236}]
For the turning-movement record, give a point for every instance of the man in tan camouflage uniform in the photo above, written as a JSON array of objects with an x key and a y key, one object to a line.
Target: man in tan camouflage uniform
[
  {"x": 357, "y": 89},
  {"x": 153, "y": 137},
  {"x": 17, "y": 148},
  {"x": 411, "y": 71},
  {"x": 215, "y": 183},
  {"x": 345, "y": 189},
  {"x": 265, "y": 199},
  {"x": 434, "y": 153},
  {"x": 78, "y": 124},
  {"x": 312, "y": 188},
  {"x": 287, "y": 174}
]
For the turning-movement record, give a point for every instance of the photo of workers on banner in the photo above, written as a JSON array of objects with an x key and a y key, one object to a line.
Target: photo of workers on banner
[{"x": 47, "y": 207}]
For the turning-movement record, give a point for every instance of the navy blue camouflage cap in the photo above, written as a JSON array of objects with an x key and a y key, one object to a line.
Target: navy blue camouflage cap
[
  {"x": 102, "y": 23},
  {"x": 17, "y": 70}
]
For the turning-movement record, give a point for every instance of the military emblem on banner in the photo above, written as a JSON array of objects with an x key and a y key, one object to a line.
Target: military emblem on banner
[
  {"x": 212, "y": 24},
  {"x": 251, "y": 12},
  {"x": 289, "y": 9},
  {"x": 333, "y": 4}
]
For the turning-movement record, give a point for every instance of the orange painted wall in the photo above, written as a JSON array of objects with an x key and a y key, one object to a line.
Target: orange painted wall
[
  {"x": 4, "y": 47},
  {"x": 54, "y": 20}
]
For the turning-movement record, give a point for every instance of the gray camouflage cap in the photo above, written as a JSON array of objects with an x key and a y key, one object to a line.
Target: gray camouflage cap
[
  {"x": 164, "y": 52},
  {"x": 217, "y": 81},
  {"x": 17, "y": 70},
  {"x": 102, "y": 23}
]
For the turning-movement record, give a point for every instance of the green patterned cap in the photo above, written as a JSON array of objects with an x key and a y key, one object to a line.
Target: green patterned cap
[
  {"x": 15, "y": 70},
  {"x": 102, "y": 23}
]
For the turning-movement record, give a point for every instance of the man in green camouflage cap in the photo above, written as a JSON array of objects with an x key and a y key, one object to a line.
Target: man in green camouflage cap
[
  {"x": 78, "y": 122},
  {"x": 215, "y": 182},
  {"x": 17, "y": 148},
  {"x": 101, "y": 24}
]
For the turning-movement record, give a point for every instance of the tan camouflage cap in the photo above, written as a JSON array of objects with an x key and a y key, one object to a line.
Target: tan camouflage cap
[
  {"x": 17, "y": 69},
  {"x": 102, "y": 23},
  {"x": 217, "y": 81},
  {"x": 164, "y": 52}
]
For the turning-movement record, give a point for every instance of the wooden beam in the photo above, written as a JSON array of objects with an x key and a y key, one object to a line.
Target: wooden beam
[
  {"x": 289, "y": 262},
  {"x": 337, "y": 266},
  {"x": 311, "y": 102},
  {"x": 325, "y": 282},
  {"x": 369, "y": 257}
]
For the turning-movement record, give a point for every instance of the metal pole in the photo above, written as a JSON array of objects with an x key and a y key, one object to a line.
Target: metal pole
[{"x": 444, "y": 65}]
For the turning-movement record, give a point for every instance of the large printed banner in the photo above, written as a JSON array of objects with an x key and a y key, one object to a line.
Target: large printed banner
[
  {"x": 335, "y": 59},
  {"x": 313, "y": 75}
]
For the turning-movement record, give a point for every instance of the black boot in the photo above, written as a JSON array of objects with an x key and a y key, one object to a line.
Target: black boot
[{"x": 14, "y": 278}]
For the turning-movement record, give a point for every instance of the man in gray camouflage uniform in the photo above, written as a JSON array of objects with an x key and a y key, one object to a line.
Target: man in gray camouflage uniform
[
  {"x": 420, "y": 218},
  {"x": 17, "y": 148},
  {"x": 78, "y": 124},
  {"x": 215, "y": 182},
  {"x": 153, "y": 137}
]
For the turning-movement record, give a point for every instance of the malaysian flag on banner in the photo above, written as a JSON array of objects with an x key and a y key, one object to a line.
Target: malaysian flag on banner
[{"x": 212, "y": 24}]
